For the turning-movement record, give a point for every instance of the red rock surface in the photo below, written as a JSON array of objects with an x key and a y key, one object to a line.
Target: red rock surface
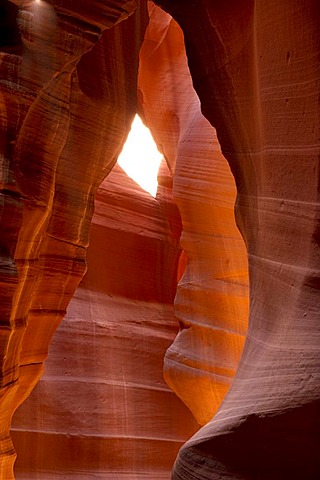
[
  {"x": 64, "y": 119},
  {"x": 68, "y": 96},
  {"x": 211, "y": 304},
  {"x": 255, "y": 66},
  {"x": 102, "y": 408}
]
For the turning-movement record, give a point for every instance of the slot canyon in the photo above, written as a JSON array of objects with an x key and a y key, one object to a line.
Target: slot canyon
[{"x": 168, "y": 337}]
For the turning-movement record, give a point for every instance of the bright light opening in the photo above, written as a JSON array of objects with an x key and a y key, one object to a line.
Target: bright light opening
[{"x": 140, "y": 158}]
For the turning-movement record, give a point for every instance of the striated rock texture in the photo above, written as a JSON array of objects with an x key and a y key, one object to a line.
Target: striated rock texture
[
  {"x": 208, "y": 347},
  {"x": 255, "y": 66},
  {"x": 68, "y": 96},
  {"x": 211, "y": 304},
  {"x": 102, "y": 408},
  {"x": 64, "y": 116}
]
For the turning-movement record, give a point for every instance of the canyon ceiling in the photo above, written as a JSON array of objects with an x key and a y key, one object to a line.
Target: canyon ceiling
[{"x": 189, "y": 333}]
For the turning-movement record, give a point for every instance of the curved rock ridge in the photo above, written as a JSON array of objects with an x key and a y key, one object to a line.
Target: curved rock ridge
[
  {"x": 66, "y": 109},
  {"x": 68, "y": 96},
  {"x": 102, "y": 408},
  {"x": 211, "y": 304},
  {"x": 255, "y": 66},
  {"x": 97, "y": 14}
]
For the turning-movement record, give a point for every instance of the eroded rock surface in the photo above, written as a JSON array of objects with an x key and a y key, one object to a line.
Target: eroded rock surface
[
  {"x": 102, "y": 408},
  {"x": 64, "y": 118},
  {"x": 211, "y": 304},
  {"x": 255, "y": 66},
  {"x": 68, "y": 96}
]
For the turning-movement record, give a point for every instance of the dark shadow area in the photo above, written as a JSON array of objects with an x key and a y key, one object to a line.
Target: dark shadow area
[
  {"x": 275, "y": 447},
  {"x": 10, "y": 39}
]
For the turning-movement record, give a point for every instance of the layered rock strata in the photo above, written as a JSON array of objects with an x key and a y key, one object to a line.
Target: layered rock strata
[
  {"x": 211, "y": 304},
  {"x": 66, "y": 108},
  {"x": 102, "y": 408},
  {"x": 208, "y": 347},
  {"x": 255, "y": 66}
]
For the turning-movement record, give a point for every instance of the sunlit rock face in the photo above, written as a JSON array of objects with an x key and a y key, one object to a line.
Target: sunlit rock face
[
  {"x": 211, "y": 304},
  {"x": 67, "y": 103},
  {"x": 68, "y": 96},
  {"x": 255, "y": 66},
  {"x": 102, "y": 408}
]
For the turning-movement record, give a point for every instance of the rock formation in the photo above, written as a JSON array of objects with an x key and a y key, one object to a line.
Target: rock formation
[
  {"x": 119, "y": 230},
  {"x": 68, "y": 87},
  {"x": 102, "y": 408},
  {"x": 255, "y": 66},
  {"x": 64, "y": 119},
  {"x": 212, "y": 296}
]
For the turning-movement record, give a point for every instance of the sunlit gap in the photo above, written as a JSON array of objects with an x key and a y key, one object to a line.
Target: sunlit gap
[{"x": 140, "y": 158}]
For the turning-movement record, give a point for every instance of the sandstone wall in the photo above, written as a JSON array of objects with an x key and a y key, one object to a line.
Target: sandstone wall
[
  {"x": 211, "y": 304},
  {"x": 64, "y": 119},
  {"x": 102, "y": 408},
  {"x": 255, "y": 66},
  {"x": 68, "y": 96}
]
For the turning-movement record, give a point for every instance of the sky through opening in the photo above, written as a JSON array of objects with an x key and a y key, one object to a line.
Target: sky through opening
[{"x": 140, "y": 158}]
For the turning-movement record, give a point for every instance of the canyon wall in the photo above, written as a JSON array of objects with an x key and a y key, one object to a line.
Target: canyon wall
[
  {"x": 126, "y": 276},
  {"x": 102, "y": 408},
  {"x": 69, "y": 89},
  {"x": 67, "y": 103},
  {"x": 211, "y": 303},
  {"x": 255, "y": 67}
]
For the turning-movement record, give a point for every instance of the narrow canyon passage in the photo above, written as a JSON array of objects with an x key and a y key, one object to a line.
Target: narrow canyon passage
[
  {"x": 230, "y": 92},
  {"x": 103, "y": 394},
  {"x": 102, "y": 408}
]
